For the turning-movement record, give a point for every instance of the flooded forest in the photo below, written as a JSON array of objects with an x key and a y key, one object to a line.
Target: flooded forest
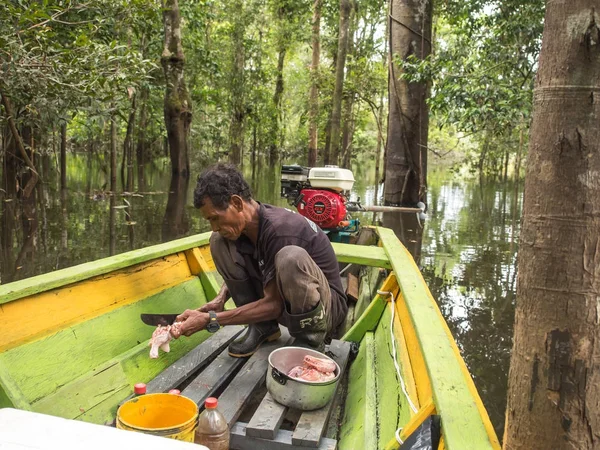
[{"x": 111, "y": 109}]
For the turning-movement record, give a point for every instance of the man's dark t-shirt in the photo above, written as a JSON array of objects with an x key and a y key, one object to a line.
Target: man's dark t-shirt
[{"x": 280, "y": 227}]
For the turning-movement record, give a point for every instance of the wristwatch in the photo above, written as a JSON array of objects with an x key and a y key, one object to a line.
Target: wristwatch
[{"x": 213, "y": 323}]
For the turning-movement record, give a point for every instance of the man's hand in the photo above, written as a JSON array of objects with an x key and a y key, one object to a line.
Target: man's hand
[
  {"x": 191, "y": 322},
  {"x": 217, "y": 304}
]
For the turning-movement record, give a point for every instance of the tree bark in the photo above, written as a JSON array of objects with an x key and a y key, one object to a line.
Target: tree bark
[
  {"x": 313, "y": 129},
  {"x": 238, "y": 109},
  {"x": 336, "y": 113},
  {"x": 554, "y": 378},
  {"x": 178, "y": 105},
  {"x": 408, "y": 121}
]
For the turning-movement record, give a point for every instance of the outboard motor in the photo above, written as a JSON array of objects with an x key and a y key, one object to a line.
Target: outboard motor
[{"x": 320, "y": 194}]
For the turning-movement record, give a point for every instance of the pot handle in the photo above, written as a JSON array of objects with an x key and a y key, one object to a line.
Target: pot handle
[{"x": 281, "y": 378}]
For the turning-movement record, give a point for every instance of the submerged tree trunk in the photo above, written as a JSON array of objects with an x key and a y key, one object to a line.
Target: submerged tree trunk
[
  {"x": 141, "y": 147},
  {"x": 408, "y": 122},
  {"x": 178, "y": 105},
  {"x": 554, "y": 378},
  {"x": 10, "y": 118},
  {"x": 63, "y": 155},
  {"x": 175, "y": 222},
  {"x": 113, "y": 154},
  {"x": 238, "y": 109},
  {"x": 128, "y": 145},
  {"x": 313, "y": 129},
  {"x": 378, "y": 151},
  {"x": 336, "y": 112}
]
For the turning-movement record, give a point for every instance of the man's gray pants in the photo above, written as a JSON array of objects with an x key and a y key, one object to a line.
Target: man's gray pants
[{"x": 301, "y": 283}]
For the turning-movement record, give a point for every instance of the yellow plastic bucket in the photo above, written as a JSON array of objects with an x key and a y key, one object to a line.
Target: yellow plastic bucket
[{"x": 167, "y": 415}]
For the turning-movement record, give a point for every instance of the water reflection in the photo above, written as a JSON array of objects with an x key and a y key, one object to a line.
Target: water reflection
[
  {"x": 175, "y": 223},
  {"x": 469, "y": 261},
  {"x": 466, "y": 249}
]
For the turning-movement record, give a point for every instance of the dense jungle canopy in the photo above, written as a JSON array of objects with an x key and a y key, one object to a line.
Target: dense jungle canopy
[{"x": 82, "y": 65}]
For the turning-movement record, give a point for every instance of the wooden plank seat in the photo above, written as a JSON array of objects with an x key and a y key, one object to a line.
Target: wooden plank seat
[
  {"x": 264, "y": 426},
  {"x": 208, "y": 370}
]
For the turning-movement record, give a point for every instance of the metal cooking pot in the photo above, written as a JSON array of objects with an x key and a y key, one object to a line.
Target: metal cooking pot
[{"x": 303, "y": 395}]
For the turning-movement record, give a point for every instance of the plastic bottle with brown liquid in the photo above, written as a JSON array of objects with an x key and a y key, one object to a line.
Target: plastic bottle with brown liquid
[{"x": 212, "y": 431}]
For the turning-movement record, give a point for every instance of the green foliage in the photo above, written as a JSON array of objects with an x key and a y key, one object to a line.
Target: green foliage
[
  {"x": 75, "y": 61},
  {"x": 483, "y": 68},
  {"x": 57, "y": 56}
]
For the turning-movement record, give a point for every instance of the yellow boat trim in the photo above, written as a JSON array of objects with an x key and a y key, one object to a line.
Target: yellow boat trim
[
  {"x": 469, "y": 381},
  {"x": 421, "y": 376},
  {"x": 405, "y": 363},
  {"x": 39, "y": 315}
]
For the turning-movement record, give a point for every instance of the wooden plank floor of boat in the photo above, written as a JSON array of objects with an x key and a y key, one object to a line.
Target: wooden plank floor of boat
[{"x": 256, "y": 421}]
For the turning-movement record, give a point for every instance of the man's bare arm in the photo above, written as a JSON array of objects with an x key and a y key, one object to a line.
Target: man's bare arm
[
  {"x": 267, "y": 308},
  {"x": 218, "y": 303}
]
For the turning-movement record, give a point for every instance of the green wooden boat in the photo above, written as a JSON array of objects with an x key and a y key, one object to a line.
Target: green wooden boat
[{"x": 72, "y": 344}]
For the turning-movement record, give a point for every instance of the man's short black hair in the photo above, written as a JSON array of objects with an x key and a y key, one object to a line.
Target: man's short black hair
[{"x": 219, "y": 183}]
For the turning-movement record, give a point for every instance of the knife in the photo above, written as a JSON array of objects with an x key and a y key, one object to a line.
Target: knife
[{"x": 158, "y": 319}]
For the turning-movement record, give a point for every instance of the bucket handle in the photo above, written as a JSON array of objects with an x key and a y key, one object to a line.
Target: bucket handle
[{"x": 278, "y": 376}]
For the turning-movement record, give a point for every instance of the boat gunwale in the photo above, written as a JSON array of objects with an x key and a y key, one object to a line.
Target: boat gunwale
[
  {"x": 437, "y": 345},
  {"x": 63, "y": 277},
  {"x": 464, "y": 418}
]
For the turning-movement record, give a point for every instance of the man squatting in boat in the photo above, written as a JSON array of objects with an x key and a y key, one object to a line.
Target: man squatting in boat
[{"x": 278, "y": 266}]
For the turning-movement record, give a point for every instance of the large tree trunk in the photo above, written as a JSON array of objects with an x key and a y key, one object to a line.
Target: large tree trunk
[
  {"x": 554, "y": 378},
  {"x": 238, "y": 108},
  {"x": 336, "y": 112},
  {"x": 408, "y": 123},
  {"x": 313, "y": 101},
  {"x": 178, "y": 105}
]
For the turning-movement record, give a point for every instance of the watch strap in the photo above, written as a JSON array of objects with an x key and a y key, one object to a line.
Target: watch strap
[{"x": 213, "y": 323}]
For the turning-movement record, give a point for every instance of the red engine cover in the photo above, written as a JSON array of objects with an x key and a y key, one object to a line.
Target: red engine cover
[{"x": 325, "y": 208}]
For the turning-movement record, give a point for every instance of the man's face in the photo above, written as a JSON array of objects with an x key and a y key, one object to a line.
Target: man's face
[{"x": 228, "y": 222}]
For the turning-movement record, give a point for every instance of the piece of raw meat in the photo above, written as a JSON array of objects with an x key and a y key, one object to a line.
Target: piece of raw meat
[
  {"x": 160, "y": 339},
  {"x": 314, "y": 370},
  {"x": 296, "y": 372},
  {"x": 309, "y": 374},
  {"x": 321, "y": 364}
]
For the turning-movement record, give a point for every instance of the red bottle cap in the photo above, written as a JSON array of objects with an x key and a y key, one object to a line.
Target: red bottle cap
[
  {"x": 175, "y": 392},
  {"x": 211, "y": 402},
  {"x": 139, "y": 388}
]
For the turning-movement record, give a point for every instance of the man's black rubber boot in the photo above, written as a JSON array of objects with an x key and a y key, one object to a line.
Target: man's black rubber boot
[
  {"x": 254, "y": 336},
  {"x": 309, "y": 328}
]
